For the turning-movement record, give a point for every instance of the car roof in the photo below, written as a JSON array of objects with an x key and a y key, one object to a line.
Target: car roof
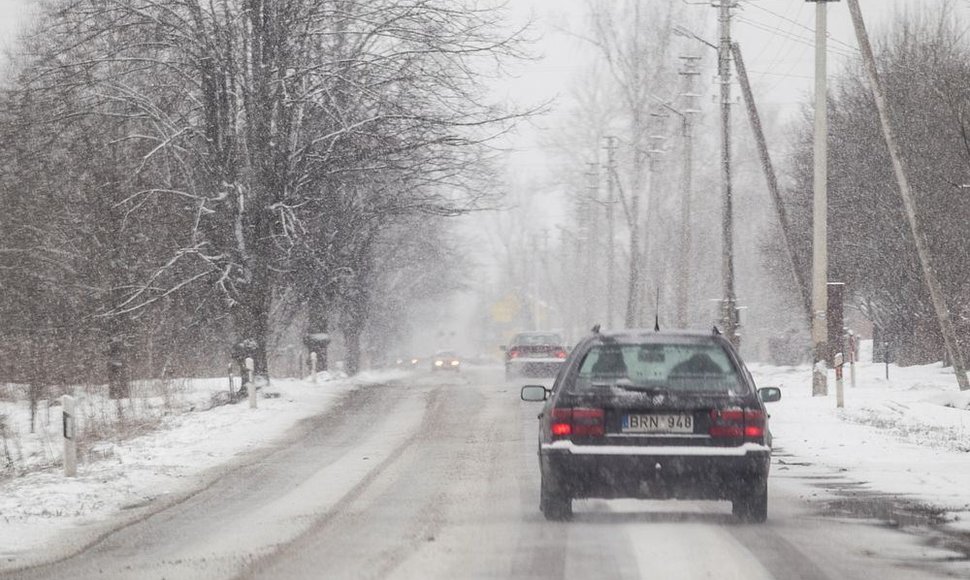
[
  {"x": 641, "y": 334},
  {"x": 650, "y": 336}
]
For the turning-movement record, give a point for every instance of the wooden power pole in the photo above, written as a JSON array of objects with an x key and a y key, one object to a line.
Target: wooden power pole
[
  {"x": 909, "y": 205},
  {"x": 771, "y": 177}
]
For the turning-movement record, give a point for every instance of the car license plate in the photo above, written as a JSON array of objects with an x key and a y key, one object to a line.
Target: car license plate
[{"x": 658, "y": 424}]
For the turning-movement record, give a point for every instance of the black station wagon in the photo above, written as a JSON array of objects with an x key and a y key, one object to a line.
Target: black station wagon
[{"x": 654, "y": 415}]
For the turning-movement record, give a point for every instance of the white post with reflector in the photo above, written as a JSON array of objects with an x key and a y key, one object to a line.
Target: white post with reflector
[
  {"x": 839, "y": 399},
  {"x": 252, "y": 386},
  {"x": 313, "y": 367},
  {"x": 70, "y": 434}
]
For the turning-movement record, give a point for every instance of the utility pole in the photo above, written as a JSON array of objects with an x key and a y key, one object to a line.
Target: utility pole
[
  {"x": 589, "y": 235},
  {"x": 909, "y": 205},
  {"x": 772, "y": 179},
  {"x": 635, "y": 280},
  {"x": 690, "y": 73},
  {"x": 650, "y": 259},
  {"x": 820, "y": 259},
  {"x": 729, "y": 305},
  {"x": 610, "y": 229},
  {"x": 533, "y": 266}
]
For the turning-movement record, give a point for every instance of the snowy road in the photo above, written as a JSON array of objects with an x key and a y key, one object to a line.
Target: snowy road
[{"x": 436, "y": 477}]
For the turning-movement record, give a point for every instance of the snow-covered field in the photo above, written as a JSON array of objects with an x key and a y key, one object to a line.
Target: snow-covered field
[{"x": 184, "y": 436}]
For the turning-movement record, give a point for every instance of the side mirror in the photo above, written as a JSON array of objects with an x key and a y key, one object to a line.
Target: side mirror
[
  {"x": 534, "y": 393},
  {"x": 769, "y": 394}
]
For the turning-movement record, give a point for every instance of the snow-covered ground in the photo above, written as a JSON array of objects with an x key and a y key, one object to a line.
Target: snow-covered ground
[
  {"x": 906, "y": 436},
  {"x": 184, "y": 437}
]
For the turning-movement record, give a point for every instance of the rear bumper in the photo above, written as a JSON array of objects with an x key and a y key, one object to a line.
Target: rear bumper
[
  {"x": 533, "y": 367},
  {"x": 653, "y": 472}
]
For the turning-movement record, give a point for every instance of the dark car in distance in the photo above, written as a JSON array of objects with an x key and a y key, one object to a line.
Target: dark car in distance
[
  {"x": 534, "y": 354},
  {"x": 654, "y": 415}
]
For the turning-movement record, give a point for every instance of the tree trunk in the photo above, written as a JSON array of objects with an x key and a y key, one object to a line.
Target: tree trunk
[
  {"x": 118, "y": 385},
  {"x": 251, "y": 319}
]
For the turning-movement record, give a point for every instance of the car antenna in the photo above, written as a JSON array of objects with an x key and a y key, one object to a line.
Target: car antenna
[
  {"x": 656, "y": 318},
  {"x": 596, "y": 329}
]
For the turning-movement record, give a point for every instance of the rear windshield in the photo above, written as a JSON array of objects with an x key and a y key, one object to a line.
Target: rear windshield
[
  {"x": 537, "y": 340},
  {"x": 671, "y": 367}
]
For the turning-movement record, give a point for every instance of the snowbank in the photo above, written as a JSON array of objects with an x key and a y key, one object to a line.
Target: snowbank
[
  {"x": 906, "y": 436},
  {"x": 188, "y": 436}
]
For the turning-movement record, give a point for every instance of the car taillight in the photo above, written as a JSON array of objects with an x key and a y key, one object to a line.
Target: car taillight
[
  {"x": 754, "y": 424},
  {"x": 578, "y": 422},
  {"x": 736, "y": 423},
  {"x": 513, "y": 353},
  {"x": 561, "y": 353}
]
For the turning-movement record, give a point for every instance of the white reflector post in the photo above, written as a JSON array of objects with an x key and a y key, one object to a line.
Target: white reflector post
[{"x": 69, "y": 433}]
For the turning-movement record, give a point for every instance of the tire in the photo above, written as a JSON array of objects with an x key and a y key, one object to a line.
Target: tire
[
  {"x": 554, "y": 505},
  {"x": 751, "y": 505}
]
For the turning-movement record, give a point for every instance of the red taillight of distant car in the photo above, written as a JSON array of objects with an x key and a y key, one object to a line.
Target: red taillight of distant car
[
  {"x": 561, "y": 353},
  {"x": 513, "y": 353}
]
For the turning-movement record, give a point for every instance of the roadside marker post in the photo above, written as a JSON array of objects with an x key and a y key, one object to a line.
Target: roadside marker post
[
  {"x": 70, "y": 434},
  {"x": 839, "y": 398},
  {"x": 232, "y": 393},
  {"x": 313, "y": 367},
  {"x": 885, "y": 356},
  {"x": 252, "y": 386}
]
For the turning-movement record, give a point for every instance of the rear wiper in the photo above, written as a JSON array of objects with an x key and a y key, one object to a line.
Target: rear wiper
[{"x": 643, "y": 389}]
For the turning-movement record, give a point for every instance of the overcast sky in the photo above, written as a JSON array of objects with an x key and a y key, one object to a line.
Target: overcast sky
[
  {"x": 776, "y": 35},
  {"x": 13, "y": 14}
]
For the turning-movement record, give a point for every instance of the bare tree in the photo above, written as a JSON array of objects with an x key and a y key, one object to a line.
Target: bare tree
[{"x": 634, "y": 37}]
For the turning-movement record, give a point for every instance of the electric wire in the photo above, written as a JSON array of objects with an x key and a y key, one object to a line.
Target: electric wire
[
  {"x": 783, "y": 52},
  {"x": 767, "y": 45},
  {"x": 790, "y": 37},
  {"x": 794, "y": 37},
  {"x": 831, "y": 39}
]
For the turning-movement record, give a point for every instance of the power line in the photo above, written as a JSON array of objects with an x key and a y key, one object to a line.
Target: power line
[
  {"x": 777, "y": 74},
  {"x": 781, "y": 54},
  {"x": 800, "y": 25},
  {"x": 792, "y": 36},
  {"x": 768, "y": 44}
]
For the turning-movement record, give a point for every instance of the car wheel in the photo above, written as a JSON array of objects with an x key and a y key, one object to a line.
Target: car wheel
[
  {"x": 751, "y": 505},
  {"x": 554, "y": 504}
]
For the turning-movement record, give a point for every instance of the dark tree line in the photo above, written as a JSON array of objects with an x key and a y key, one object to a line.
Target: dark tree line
[
  {"x": 183, "y": 176},
  {"x": 925, "y": 65}
]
